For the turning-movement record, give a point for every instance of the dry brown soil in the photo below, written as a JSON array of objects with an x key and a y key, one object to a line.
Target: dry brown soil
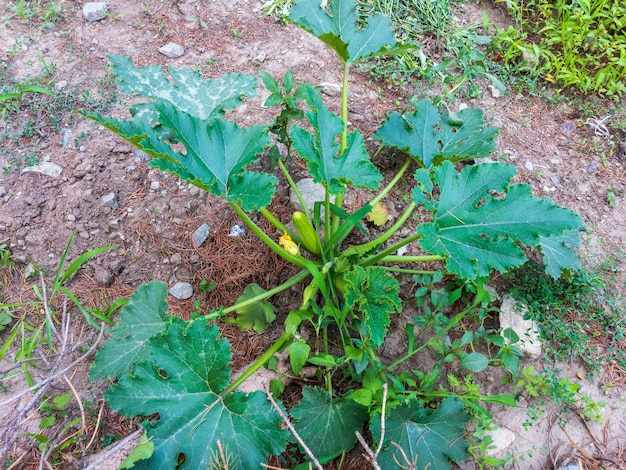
[{"x": 553, "y": 145}]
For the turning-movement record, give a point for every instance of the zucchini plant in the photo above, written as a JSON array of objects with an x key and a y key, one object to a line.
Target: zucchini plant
[{"x": 473, "y": 221}]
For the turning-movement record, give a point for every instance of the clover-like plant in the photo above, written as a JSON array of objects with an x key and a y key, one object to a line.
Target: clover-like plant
[{"x": 473, "y": 221}]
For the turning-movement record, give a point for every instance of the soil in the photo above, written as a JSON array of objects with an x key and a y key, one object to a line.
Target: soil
[{"x": 552, "y": 140}]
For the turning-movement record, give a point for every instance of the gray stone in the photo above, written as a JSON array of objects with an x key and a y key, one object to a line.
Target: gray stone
[
  {"x": 330, "y": 89},
  {"x": 29, "y": 270},
  {"x": 181, "y": 290},
  {"x": 172, "y": 50},
  {"x": 502, "y": 440},
  {"x": 104, "y": 277},
  {"x": 141, "y": 156},
  {"x": 200, "y": 235},
  {"x": 109, "y": 200},
  {"x": 154, "y": 185},
  {"x": 95, "y": 11},
  {"x": 46, "y": 168},
  {"x": 311, "y": 193},
  {"x": 236, "y": 231},
  {"x": 512, "y": 316}
]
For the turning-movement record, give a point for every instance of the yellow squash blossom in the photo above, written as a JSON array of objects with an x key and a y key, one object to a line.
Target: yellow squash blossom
[{"x": 288, "y": 244}]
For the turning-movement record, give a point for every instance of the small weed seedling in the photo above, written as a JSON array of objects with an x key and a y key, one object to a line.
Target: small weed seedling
[{"x": 472, "y": 221}]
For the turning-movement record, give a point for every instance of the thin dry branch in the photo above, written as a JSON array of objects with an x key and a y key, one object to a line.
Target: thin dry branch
[
  {"x": 13, "y": 430},
  {"x": 293, "y": 430}
]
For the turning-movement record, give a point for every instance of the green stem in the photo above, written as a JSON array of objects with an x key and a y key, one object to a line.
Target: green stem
[
  {"x": 407, "y": 271},
  {"x": 411, "y": 259},
  {"x": 343, "y": 144},
  {"x": 344, "y": 109},
  {"x": 267, "y": 294},
  {"x": 284, "y": 340},
  {"x": 390, "y": 231},
  {"x": 393, "y": 182},
  {"x": 389, "y": 250},
  {"x": 277, "y": 223},
  {"x": 295, "y": 189},
  {"x": 279, "y": 250}
]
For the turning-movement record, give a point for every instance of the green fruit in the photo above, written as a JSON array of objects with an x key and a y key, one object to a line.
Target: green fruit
[{"x": 306, "y": 231}]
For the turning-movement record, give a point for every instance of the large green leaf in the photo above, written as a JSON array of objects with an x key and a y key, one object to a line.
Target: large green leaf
[
  {"x": 320, "y": 149},
  {"x": 140, "y": 319},
  {"x": 376, "y": 293},
  {"x": 479, "y": 219},
  {"x": 181, "y": 382},
  {"x": 341, "y": 31},
  {"x": 558, "y": 252},
  {"x": 216, "y": 154},
  {"x": 431, "y": 137},
  {"x": 429, "y": 438},
  {"x": 203, "y": 99},
  {"x": 326, "y": 424}
]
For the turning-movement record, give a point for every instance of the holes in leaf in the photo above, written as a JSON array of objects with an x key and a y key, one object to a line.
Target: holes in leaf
[
  {"x": 497, "y": 194},
  {"x": 163, "y": 374},
  {"x": 480, "y": 203}
]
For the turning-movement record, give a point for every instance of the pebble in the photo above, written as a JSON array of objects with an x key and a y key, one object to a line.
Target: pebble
[
  {"x": 172, "y": 50},
  {"x": 154, "y": 185},
  {"x": 95, "y": 11},
  {"x": 29, "y": 270},
  {"x": 311, "y": 193},
  {"x": 236, "y": 231},
  {"x": 110, "y": 200},
  {"x": 330, "y": 89},
  {"x": 181, "y": 290},
  {"x": 103, "y": 276},
  {"x": 512, "y": 315},
  {"x": 593, "y": 167},
  {"x": 200, "y": 235},
  {"x": 502, "y": 439},
  {"x": 46, "y": 168}
]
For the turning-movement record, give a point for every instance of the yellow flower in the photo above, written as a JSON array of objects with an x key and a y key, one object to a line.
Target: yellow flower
[{"x": 288, "y": 244}]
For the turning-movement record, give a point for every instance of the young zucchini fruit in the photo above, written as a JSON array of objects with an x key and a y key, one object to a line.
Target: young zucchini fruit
[{"x": 307, "y": 232}]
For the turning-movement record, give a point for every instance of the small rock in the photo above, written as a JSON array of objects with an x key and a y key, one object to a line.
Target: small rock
[
  {"x": 176, "y": 259},
  {"x": 495, "y": 92},
  {"x": 502, "y": 438},
  {"x": 311, "y": 193},
  {"x": 260, "y": 58},
  {"x": 95, "y": 11},
  {"x": 67, "y": 137},
  {"x": 141, "y": 156},
  {"x": 463, "y": 106},
  {"x": 29, "y": 270},
  {"x": 110, "y": 200},
  {"x": 593, "y": 167},
  {"x": 104, "y": 277},
  {"x": 46, "y": 168},
  {"x": 21, "y": 258},
  {"x": 330, "y": 89},
  {"x": 181, "y": 290},
  {"x": 512, "y": 315},
  {"x": 200, "y": 235},
  {"x": 172, "y": 50},
  {"x": 529, "y": 165},
  {"x": 154, "y": 185},
  {"x": 236, "y": 231}
]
